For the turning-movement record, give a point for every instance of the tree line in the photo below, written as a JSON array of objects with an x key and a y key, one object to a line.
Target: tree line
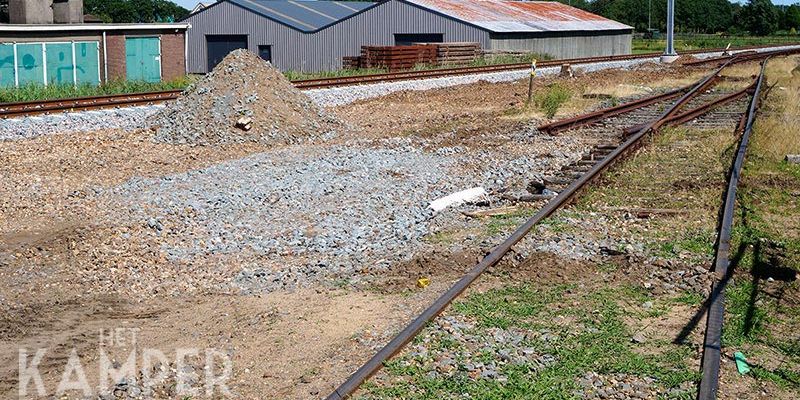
[
  {"x": 123, "y": 11},
  {"x": 756, "y": 17}
]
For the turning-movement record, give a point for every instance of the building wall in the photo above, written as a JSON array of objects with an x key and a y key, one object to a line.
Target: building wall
[
  {"x": 571, "y": 45},
  {"x": 323, "y": 50},
  {"x": 173, "y": 62},
  {"x": 115, "y": 53}
]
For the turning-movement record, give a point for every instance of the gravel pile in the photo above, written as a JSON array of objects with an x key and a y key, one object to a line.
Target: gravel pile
[
  {"x": 127, "y": 119},
  {"x": 244, "y": 99},
  {"x": 298, "y": 215}
]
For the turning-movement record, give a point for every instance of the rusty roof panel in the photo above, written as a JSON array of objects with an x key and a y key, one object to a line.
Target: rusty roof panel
[{"x": 504, "y": 16}]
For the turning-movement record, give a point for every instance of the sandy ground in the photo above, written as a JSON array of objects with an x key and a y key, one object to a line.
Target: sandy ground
[{"x": 283, "y": 345}]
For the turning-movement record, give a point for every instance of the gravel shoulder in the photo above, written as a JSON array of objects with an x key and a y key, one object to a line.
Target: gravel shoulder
[{"x": 201, "y": 245}]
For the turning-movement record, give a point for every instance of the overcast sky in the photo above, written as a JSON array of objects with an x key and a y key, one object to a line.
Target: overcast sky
[{"x": 191, "y": 3}]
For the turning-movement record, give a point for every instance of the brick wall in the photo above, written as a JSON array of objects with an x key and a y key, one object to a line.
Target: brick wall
[
  {"x": 173, "y": 62},
  {"x": 115, "y": 46}
]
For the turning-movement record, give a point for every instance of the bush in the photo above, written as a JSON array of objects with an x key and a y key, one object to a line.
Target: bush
[
  {"x": 35, "y": 92},
  {"x": 551, "y": 98}
]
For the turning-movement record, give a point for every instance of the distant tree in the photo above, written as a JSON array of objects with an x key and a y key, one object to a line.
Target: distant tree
[
  {"x": 132, "y": 11},
  {"x": 791, "y": 17},
  {"x": 759, "y": 17}
]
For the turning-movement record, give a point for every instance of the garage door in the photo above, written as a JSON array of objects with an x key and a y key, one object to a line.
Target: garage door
[
  {"x": 143, "y": 59},
  {"x": 218, "y": 46}
]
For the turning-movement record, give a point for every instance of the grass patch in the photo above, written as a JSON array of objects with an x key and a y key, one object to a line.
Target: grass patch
[
  {"x": 550, "y": 99},
  {"x": 32, "y": 92},
  {"x": 709, "y": 42},
  {"x": 603, "y": 346},
  {"x": 762, "y": 315}
]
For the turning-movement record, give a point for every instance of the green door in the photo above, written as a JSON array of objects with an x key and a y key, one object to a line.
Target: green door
[{"x": 143, "y": 59}]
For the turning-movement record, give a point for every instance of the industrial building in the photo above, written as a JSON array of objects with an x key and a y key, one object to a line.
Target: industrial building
[
  {"x": 48, "y": 43},
  {"x": 313, "y": 36}
]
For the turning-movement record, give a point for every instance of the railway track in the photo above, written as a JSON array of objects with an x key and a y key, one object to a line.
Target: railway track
[
  {"x": 439, "y": 73},
  {"x": 29, "y": 108},
  {"x": 619, "y": 131},
  {"x": 21, "y": 109},
  {"x": 712, "y": 342}
]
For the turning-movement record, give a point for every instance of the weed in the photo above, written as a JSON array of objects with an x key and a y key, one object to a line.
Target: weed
[
  {"x": 603, "y": 347},
  {"x": 33, "y": 92},
  {"x": 551, "y": 98}
]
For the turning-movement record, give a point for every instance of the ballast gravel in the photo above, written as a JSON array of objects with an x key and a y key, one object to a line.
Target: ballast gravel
[
  {"x": 301, "y": 214},
  {"x": 128, "y": 119}
]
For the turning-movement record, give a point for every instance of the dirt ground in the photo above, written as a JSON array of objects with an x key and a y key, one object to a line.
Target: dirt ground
[{"x": 296, "y": 344}]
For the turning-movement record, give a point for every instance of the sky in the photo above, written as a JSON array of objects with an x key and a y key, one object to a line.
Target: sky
[{"x": 189, "y": 4}]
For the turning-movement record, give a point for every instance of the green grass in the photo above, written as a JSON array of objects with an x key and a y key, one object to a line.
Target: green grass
[
  {"x": 552, "y": 98},
  {"x": 709, "y": 42},
  {"x": 33, "y": 92},
  {"x": 603, "y": 346}
]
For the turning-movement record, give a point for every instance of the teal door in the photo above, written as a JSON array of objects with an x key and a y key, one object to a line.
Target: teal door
[{"x": 143, "y": 59}]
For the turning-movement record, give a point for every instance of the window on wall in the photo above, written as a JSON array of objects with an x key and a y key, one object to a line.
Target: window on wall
[
  {"x": 265, "y": 52},
  {"x": 67, "y": 63}
]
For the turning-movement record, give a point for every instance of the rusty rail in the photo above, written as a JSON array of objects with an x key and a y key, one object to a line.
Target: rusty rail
[
  {"x": 702, "y": 109},
  {"x": 320, "y": 83},
  {"x": 712, "y": 343},
  {"x": 27, "y": 108},
  {"x": 585, "y": 119},
  {"x": 375, "y": 363},
  {"x": 745, "y": 57}
]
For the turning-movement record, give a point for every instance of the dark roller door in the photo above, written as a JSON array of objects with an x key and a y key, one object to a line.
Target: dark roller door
[
  {"x": 218, "y": 46},
  {"x": 405, "y": 39}
]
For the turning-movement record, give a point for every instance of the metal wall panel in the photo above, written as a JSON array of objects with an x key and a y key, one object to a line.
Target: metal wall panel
[
  {"x": 323, "y": 50},
  {"x": 571, "y": 46}
]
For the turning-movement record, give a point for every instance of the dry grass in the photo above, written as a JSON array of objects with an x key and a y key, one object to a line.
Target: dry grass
[{"x": 778, "y": 128}]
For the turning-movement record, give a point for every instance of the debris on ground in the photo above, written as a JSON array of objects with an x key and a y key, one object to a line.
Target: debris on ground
[{"x": 244, "y": 99}]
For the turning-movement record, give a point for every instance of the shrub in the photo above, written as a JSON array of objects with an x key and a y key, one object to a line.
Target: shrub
[{"x": 550, "y": 99}]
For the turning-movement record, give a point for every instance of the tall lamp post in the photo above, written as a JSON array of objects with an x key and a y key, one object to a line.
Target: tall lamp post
[{"x": 669, "y": 53}]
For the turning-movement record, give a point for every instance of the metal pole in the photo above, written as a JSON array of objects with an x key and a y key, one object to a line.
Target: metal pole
[
  {"x": 649, "y": 13},
  {"x": 670, "y": 50}
]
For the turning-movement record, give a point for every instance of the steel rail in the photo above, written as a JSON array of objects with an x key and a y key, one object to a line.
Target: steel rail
[
  {"x": 85, "y": 103},
  {"x": 375, "y": 363},
  {"x": 702, "y": 109},
  {"x": 749, "y": 56},
  {"x": 588, "y": 118},
  {"x": 712, "y": 343},
  {"x": 436, "y": 73}
]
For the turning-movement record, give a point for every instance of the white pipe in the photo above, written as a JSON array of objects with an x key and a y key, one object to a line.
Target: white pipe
[
  {"x": 74, "y": 67},
  {"x": 105, "y": 59},
  {"x": 186, "y": 51},
  {"x": 44, "y": 63},
  {"x": 16, "y": 66}
]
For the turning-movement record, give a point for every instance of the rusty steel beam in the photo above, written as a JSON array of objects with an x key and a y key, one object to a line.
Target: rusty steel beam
[
  {"x": 712, "y": 342},
  {"x": 375, "y": 363},
  {"x": 26, "y": 108},
  {"x": 585, "y": 119},
  {"x": 705, "y": 108}
]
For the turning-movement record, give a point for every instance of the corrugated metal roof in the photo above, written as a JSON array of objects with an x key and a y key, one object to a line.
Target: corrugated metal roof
[
  {"x": 304, "y": 15},
  {"x": 503, "y": 16}
]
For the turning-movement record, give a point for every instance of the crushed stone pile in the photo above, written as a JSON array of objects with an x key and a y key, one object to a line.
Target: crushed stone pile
[{"x": 244, "y": 99}]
